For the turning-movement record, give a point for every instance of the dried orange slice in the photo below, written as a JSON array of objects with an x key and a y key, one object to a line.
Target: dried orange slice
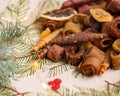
[
  {"x": 60, "y": 14},
  {"x": 101, "y": 15}
]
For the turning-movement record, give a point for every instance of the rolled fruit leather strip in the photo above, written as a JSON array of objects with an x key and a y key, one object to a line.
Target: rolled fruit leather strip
[
  {"x": 92, "y": 62},
  {"x": 106, "y": 29},
  {"x": 89, "y": 21},
  {"x": 84, "y": 9},
  {"x": 81, "y": 2},
  {"x": 103, "y": 43},
  {"x": 76, "y": 3},
  {"x": 78, "y": 18},
  {"x": 71, "y": 28},
  {"x": 116, "y": 45},
  {"x": 52, "y": 25},
  {"x": 55, "y": 53},
  {"x": 113, "y": 6},
  {"x": 115, "y": 27},
  {"x": 106, "y": 64},
  {"x": 74, "y": 53},
  {"x": 115, "y": 59},
  {"x": 68, "y": 4}
]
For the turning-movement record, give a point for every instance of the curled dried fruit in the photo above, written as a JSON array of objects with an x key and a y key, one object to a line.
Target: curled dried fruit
[
  {"x": 55, "y": 53},
  {"x": 116, "y": 45},
  {"x": 74, "y": 53},
  {"x": 113, "y": 6},
  {"x": 84, "y": 9},
  {"x": 101, "y": 15},
  {"x": 89, "y": 21},
  {"x": 81, "y": 2},
  {"x": 115, "y": 59},
  {"x": 71, "y": 27},
  {"x": 106, "y": 64},
  {"x": 78, "y": 18},
  {"x": 115, "y": 27},
  {"x": 92, "y": 62},
  {"x": 103, "y": 43},
  {"x": 52, "y": 25},
  {"x": 45, "y": 33}
]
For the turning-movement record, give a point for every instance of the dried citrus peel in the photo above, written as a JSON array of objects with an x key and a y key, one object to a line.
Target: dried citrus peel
[{"x": 45, "y": 33}]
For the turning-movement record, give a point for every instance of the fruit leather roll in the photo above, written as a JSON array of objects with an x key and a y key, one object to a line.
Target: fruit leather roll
[
  {"x": 103, "y": 43},
  {"x": 115, "y": 54},
  {"x": 92, "y": 62},
  {"x": 71, "y": 27},
  {"x": 115, "y": 27},
  {"x": 116, "y": 45},
  {"x": 82, "y": 2},
  {"x": 115, "y": 59},
  {"x": 76, "y": 3},
  {"x": 113, "y": 6},
  {"x": 52, "y": 25},
  {"x": 106, "y": 64}
]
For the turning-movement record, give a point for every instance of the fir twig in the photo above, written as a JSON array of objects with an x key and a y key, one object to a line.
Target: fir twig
[
  {"x": 76, "y": 72},
  {"x": 58, "y": 68},
  {"x": 13, "y": 92},
  {"x": 112, "y": 84}
]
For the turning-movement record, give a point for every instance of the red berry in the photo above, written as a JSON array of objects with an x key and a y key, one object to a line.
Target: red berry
[
  {"x": 57, "y": 81},
  {"x": 50, "y": 83},
  {"x": 55, "y": 86}
]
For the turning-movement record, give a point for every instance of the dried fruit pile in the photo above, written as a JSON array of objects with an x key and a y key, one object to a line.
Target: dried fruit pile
[{"x": 84, "y": 32}]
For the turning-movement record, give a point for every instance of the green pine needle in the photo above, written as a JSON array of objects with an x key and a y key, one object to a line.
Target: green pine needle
[
  {"x": 18, "y": 10},
  {"x": 67, "y": 92},
  {"x": 16, "y": 52},
  {"x": 57, "y": 68}
]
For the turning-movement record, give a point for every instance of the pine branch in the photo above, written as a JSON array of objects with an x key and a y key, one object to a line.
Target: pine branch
[
  {"x": 91, "y": 92},
  {"x": 9, "y": 91},
  {"x": 49, "y": 5},
  {"x": 57, "y": 68},
  {"x": 114, "y": 91},
  {"x": 18, "y": 10},
  {"x": 76, "y": 72},
  {"x": 63, "y": 91},
  {"x": 115, "y": 88},
  {"x": 12, "y": 47},
  {"x": 31, "y": 35},
  {"x": 10, "y": 31},
  {"x": 32, "y": 68}
]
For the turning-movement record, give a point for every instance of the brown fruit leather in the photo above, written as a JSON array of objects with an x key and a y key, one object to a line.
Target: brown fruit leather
[{"x": 92, "y": 62}]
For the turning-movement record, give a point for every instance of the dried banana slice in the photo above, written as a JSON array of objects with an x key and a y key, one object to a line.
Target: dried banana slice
[{"x": 101, "y": 15}]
